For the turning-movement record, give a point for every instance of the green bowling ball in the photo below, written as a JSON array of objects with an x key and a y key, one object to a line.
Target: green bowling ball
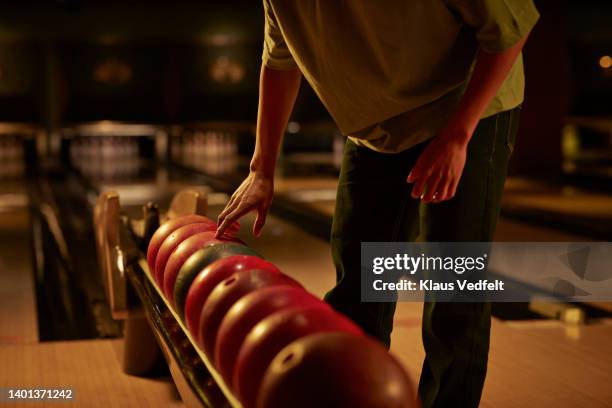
[{"x": 200, "y": 260}]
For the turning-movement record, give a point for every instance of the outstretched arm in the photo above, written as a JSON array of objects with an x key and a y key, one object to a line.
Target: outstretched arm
[{"x": 278, "y": 90}]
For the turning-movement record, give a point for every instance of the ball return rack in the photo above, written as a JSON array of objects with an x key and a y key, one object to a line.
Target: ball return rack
[{"x": 152, "y": 328}]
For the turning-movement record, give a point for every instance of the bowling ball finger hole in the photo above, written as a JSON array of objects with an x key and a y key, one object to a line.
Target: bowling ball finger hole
[
  {"x": 229, "y": 281},
  {"x": 288, "y": 358}
]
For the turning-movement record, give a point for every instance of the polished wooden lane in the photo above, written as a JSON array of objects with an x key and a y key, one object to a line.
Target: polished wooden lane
[
  {"x": 570, "y": 201},
  {"x": 18, "y": 321},
  {"x": 571, "y": 210}
]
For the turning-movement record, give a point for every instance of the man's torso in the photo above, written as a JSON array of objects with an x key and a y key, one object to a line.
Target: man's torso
[{"x": 380, "y": 66}]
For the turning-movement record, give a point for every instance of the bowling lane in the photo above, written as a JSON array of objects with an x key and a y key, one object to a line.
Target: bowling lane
[
  {"x": 566, "y": 208},
  {"x": 96, "y": 157},
  {"x": 18, "y": 322},
  {"x": 569, "y": 211},
  {"x": 17, "y": 289}
]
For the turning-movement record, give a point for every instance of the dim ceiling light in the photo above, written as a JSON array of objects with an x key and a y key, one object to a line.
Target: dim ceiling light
[{"x": 605, "y": 62}]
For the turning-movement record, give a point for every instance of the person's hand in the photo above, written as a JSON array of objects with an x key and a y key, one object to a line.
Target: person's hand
[
  {"x": 438, "y": 169},
  {"x": 254, "y": 194}
]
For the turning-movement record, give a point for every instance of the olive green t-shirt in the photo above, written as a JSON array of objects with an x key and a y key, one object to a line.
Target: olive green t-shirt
[{"x": 390, "y": 72}]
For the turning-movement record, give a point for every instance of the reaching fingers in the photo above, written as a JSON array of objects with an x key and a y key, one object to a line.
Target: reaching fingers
[
  {"x": 241, "y": 208},
  {"x": 229, "y": 207},
  {"x": 221, "y": 220},
  {"x": 262, "y": 214},
  {"x": 223, "y": 225},
  {"x": 232, "y": 213}
]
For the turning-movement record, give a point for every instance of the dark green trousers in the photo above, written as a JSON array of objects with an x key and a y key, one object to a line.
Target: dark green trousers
[{"x": 374, "y": 204}]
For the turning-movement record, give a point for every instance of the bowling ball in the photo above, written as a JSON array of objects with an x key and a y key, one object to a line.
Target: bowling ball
[
  {"x": 182, "y": 252},
  {"x": 166, "y": 229},
  {"x": 209, "y": 277},
  {"x": 249, "y": 311},
  {"x": 228, "y": 292},
  {"x": 272, "y": 334},
  {"x": 173, "y": 241},
  {"x": 198, "y": 261},
  {"x": 336, "y": 370}
]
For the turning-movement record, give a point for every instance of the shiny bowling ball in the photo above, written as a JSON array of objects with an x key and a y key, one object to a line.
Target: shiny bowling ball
[
  {"x": 197, "y": 262},
  {"x": 227, "y": 293},
  {"x": 168, "y": 228},
  {"x": 249, "y": 311},
  {"x": 172, "y": 242},
  {"x": 209, "y": 277},
  {"x": 336, "y": 370},
  {"x": 182, "y": 253},
  {"x": 272, "y": 334}
]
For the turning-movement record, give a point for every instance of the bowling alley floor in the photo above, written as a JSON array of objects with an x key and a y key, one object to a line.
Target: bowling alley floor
[{"x": 91, "y": 368}]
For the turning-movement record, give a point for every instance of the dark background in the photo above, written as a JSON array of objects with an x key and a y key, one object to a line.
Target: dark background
[{"x": 63, "y": 62}]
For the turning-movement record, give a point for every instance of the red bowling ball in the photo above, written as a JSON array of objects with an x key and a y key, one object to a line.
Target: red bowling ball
[
  {"x": 173, "y": 241},
  {"x": 166, "y": 229},
  {"x": 210, "y": 276},
  {"x": 228, "y": 292},
  {"x": 336, "y": 370},
  {"x": 182, "y": 252},
  {"x": 271, "y": 335},
  {"x": 249, "y": 311}
]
